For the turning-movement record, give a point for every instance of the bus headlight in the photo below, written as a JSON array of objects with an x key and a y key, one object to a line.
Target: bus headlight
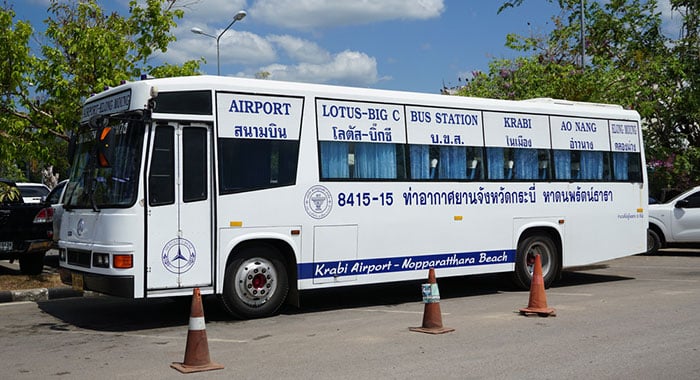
[{"x": 100, "y": 260}]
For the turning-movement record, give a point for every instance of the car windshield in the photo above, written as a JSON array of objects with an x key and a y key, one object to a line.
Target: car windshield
[
  {"x": 33, "y": 190},
  {"x": 95, "y": 187},
  {"x": 676, "y": 197}
]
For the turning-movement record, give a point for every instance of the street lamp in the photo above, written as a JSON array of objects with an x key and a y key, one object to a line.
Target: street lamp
[
  {"x": 238, "y": 17},
  {"x": 583, "y": 34}
]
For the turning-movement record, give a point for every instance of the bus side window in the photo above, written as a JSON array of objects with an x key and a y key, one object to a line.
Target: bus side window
[
  {"x": 591, "y": 165},
  {"x": 375, "y": 161},
  {"x": 161, "y": 178},
  {"x": 195, "y": 173},
  {"x": 335, "y": 159},
  {"x": 531, "y": 164},
  {"x": 627, "y": 166},
  {"x": 496, "y": 162},
  {"x": 475, "y": 160},
  {"x": 562, "y": 165},
  {"x": 251, "y": 164},
  {"x": 361, "y": 160}
]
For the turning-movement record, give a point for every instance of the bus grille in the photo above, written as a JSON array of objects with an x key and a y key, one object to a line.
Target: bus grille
[{"x": 79, "y": 258}]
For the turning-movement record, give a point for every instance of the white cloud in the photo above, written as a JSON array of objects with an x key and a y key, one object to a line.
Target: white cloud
[
  {"x": 347, "y": 67},
  {"x": 286, "y": 56},
  {"x": 235, "y": 47},
  {"x": 246, "y": 48},
  {"x": 301, "y": 50},
  {"x": 672, "y": 20},
  {"x": 309, "y": 14}
]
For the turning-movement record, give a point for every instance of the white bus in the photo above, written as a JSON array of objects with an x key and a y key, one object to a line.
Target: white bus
[{"x": 255, "y": 190}]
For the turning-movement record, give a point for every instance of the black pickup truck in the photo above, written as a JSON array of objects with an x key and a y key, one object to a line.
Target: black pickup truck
[{"x": 26, "y": 229}]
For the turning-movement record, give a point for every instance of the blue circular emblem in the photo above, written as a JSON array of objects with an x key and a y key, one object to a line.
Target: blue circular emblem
[
  {"x": 318, "y": 202},
  {"x": 178, "y": 255}
]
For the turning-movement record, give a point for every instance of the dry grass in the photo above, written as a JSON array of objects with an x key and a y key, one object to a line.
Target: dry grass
[
  {"x": 12, "y": 279},
  {"x": 22, "y": 282}
]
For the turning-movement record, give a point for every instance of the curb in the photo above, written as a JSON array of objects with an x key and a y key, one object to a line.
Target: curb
[{"x": 40, "y": 294}]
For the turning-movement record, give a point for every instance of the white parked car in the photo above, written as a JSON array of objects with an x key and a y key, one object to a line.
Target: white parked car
[
  {"x": 674, "y": 222},
  {"x": 33, "y": 192},
  {"x": 55, "y": 200}
]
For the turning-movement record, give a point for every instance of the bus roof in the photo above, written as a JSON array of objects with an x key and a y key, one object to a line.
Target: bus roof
[{"x": 141, "y": 91}]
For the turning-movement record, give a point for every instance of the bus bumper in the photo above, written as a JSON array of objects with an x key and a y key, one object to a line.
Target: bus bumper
[{"x": 118, "y": 286}]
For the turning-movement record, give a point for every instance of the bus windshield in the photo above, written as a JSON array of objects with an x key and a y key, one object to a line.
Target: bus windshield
[{"x": 92, "y": 186}]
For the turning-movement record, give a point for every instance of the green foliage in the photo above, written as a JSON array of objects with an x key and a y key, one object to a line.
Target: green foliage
[
  {"x": 628, "y": 62},
  {"x": 167, "y": 70},
  {"x": 678, "y": 171},
  {"x": 82, "y": 51},
  {"x": 8, "y": 193}
]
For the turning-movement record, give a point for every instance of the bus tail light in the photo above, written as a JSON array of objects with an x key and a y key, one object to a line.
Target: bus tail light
[{"x": 123, "y": 261}]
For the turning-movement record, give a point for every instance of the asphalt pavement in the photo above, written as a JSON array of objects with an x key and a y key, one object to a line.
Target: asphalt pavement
[{"x": 636, "y": 317}]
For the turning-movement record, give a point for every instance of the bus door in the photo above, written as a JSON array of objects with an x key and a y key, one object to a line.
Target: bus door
[{"x": 179, "y": 208}]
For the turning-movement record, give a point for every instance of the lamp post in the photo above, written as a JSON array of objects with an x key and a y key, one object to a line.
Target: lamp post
[
  {"x": 583, "y": 34},
  {"x": 238, "y": 17}
]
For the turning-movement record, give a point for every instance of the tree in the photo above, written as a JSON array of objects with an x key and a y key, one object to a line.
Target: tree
[
  {"x": 628, "y": 62},
  {"x": 82, "y": 51}
]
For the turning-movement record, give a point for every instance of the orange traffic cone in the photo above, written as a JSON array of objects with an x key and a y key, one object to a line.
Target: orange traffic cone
[
  {"x": 432, "y": 317},
  {"x": 197, "y": 349},
  {"x": 538, "y": 299}
]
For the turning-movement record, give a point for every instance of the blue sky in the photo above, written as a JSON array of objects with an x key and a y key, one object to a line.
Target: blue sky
[{"x": 408, "y": 45}]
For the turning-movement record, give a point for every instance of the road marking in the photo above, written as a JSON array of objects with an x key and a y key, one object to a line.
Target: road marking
[
  {"x": 657, "y": 267},
  {"x": 83, "y": 332},
  {"x": 674, "y": 293},
  {"x": 571, "y": 294},
  {"x": 15, "y": 303},
  {"x": 394, "y": 311}
]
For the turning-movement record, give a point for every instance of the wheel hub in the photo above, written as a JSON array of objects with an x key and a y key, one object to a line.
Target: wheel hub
[{"x": 256, "y": 281}]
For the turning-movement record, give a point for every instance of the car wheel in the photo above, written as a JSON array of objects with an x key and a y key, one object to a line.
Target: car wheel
[
  {"x": 255, "y": 283},
  {"x": 653, "y": 242},
  {"x": 32, "y": 263}
]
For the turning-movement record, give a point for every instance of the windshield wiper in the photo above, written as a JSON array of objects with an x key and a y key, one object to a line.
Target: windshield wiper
[{"x": 90, "y": 190}]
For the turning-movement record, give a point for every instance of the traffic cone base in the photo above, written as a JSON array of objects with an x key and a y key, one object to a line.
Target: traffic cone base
[
  {"x": 537, "y": 305},
  {"x": 197, "y": 348},
  {"x": 196, "y": 368},
  {"x": 546, "y": 312},
  {"x": 432, "y": 317},
  {"x": 432, "y": 330}
]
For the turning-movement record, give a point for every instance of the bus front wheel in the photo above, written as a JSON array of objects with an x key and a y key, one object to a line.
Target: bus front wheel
[
  {"x": 528, "y": 248},
  {"x": 255, "y": 283}
]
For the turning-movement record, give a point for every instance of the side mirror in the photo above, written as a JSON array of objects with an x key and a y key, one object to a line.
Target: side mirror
[{"x": 683, "y": 203}]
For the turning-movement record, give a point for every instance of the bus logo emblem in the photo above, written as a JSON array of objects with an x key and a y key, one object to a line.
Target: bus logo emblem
[
  {"x": 80, "y": 229},
  {"x": 318, "y": 202},
  {"x": 178, "y": 255}
]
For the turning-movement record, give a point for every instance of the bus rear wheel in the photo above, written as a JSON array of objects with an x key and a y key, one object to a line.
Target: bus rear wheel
[
  {"x": 528, "y": 248},
  {"x": 255, "y": 283}
]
